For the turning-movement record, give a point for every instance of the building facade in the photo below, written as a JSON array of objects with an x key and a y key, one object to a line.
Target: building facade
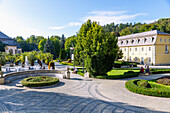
[
  {"x": 151, "y": 48},
  {"x": 11, "y": 46}
]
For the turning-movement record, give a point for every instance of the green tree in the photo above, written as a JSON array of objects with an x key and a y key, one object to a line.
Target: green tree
[
  {"x": 2, "y": 58},
  {"x": 38, "y": 39},
  {"x": 32, "y": 57},
  {"x": 62, "y": 41},
  {"x": 49, "y": 47},
  {"x": 56, "y": 42},
  {"x": 62, "y": 55},
  {"x": 120, "y": 54},
  {"x": 2, "y": 46},
  {"x": 99, "y": 49},
  {"x": 41, "y": 44},
  {"x": 70, "y": 42}
]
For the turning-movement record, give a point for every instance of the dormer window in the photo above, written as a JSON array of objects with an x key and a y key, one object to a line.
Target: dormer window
[
  {"x": 132, "y": 41},
  {"x": 165, "y": 40},
  {"x": 138, "y": 40},
  {"x": 153, "y": 39},
  {"x": 145, "y": 39},
  {"x": 127, "y": 41},
  {"x": 121, "y": 42}
]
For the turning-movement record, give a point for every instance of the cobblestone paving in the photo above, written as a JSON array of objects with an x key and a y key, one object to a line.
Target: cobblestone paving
[
  {"x": 75, "y": 95},
  {"x": 79, "y": 95}
]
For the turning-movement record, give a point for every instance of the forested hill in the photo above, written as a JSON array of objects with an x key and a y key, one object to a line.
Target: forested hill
[{"x": 129, "y": 28}]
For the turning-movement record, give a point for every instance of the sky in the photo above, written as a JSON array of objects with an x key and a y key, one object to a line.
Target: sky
[{"x": 57, "y": 17}]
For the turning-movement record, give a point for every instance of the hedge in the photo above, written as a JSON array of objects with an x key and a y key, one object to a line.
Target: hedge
[
  {"x": 129, "y": 74},
  {"x": 157, "y": 71},
  {"x": 156, "y": 89},
  {"x": 25, "y": 82}
]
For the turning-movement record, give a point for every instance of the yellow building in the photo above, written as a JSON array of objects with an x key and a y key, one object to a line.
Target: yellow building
[{"x": 151, "y": 48}]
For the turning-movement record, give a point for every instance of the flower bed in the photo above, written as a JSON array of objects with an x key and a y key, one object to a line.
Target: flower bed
[
  {"x": 149, "y": 88},
  {"x": 39, "y": 81}
]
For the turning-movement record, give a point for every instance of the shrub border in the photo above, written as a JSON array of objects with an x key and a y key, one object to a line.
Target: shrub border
[
  {"x": 24, "y": 82},
  {"x": 161, "y": 91}
]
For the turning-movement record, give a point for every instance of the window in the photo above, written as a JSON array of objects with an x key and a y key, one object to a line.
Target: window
[
  {"x": 125, "y": 49},
  {"x": 132, "y": 41},
  {"x": 135, "y": 59},
  {"x": 130, "y": 58},
  {"x": 149, "y": 48},
  {"x": 135, "y": 49},
  {"x": 145, "y": 40},
  {"x": 130, "y": 49},
  {"x": 166, "y": 48},
  {"x": 160, "y": 39},
  {"x": 149, "y": 59},
  {"x": 153, "y": 39},
  {"x": 138, "y": 40},
  {"x": 165, "y": 40},
  {"x": 125, "y": 58},
  {"x": 127, "y": 41},
  {"x": 169, "y": 39},
  {"x": 142, "y": 48},
  {"x": 121, "y": 42}
]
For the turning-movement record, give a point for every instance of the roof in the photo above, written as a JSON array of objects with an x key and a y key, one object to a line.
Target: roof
[
  {"x": 7, "y": 40},
  {"x": 4, "y": 36},
  {"x": 148, "y": 33}
]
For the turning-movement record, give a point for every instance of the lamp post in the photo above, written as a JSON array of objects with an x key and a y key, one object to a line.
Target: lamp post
[{"x": 72, "y": 55}]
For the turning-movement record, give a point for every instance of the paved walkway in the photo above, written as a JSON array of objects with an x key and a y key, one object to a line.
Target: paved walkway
[{"x": 80, "y": 95}]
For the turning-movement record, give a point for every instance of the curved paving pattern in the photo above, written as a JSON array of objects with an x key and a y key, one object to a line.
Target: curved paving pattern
[
  {"x": 74, "y": 96},
  {"x": 79, "y": 96}
]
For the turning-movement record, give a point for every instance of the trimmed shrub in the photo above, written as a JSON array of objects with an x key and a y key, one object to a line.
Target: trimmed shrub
[
  {"x": 126, "y": 75},
  {"x": 155, "y": 90},
  {"x": 157, "y": 71},
  {"x": 144, "y": 84},
  {"x": 39, "y": 81}
]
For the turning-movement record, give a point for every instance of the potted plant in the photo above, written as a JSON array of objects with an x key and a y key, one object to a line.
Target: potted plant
[{"x": 31, "y": 58}]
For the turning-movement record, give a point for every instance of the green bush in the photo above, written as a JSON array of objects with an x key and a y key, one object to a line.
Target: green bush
[
  {"x": 144, "y": 84},
  {"x": 126, "y": 75},
  {"x": 39, "y": 81},
  {"x": 157, "y": 71},
  {"x": 155, "y": 90}
]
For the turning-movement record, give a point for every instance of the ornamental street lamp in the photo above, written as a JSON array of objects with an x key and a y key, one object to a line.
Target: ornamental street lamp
[{"x": 72, "y": 55}]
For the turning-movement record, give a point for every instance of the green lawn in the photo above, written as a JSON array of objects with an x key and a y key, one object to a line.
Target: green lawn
[{"x": 119, "y": 72}]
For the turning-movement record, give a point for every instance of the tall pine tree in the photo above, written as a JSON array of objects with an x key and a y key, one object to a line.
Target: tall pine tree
[{"x": 49, "y": 47}]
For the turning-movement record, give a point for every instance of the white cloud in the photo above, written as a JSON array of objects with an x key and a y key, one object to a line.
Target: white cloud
[
  {"x": 74, "y": 24},
  {"x": 71, "y": 24},
  {"x": 150, "y": 21},
  {"x": 57, "y": 28},
  {"x": 107, "y": 12},
  {"x": 107, "y": 17}
]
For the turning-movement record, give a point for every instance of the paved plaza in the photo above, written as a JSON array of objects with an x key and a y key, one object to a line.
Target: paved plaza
[{"x": 80, "y": 95}]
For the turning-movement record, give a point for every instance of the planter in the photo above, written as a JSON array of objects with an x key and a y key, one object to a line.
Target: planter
[
  {"x": 1, "y": 73},
  {"x": 1, "y": 78},
  {"x": 32, "y": 63},
  {"x": 1, "y": 81}
]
